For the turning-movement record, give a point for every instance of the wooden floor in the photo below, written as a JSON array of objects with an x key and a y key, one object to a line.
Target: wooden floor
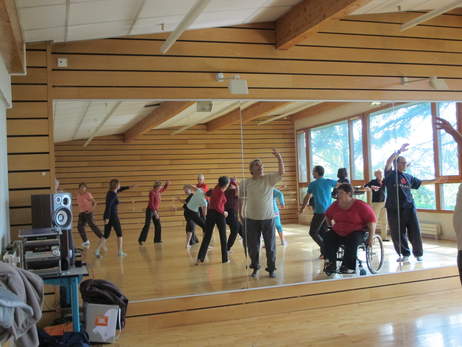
[
  {"x": 431, "y": 320},
  {"x": 167, "y": 269}
]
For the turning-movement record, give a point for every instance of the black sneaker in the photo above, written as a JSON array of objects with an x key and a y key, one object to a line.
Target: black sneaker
[
  {"x": 254, "y": 273},
  {"x": 329, "y": 269},
  {"x": 272, "y": 274}
]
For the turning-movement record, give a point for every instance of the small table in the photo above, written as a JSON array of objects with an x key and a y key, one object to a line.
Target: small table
[{"x": 70, "y": 279}]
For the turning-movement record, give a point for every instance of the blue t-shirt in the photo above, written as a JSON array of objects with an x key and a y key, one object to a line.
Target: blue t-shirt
[
  {"x": 277, "y": 195},
  {"x": 406, "y": 182},
  {"x": 321, "y": 189}
]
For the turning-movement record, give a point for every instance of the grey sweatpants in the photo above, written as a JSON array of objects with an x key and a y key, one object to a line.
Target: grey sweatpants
[{"x": 256, "y": 228}]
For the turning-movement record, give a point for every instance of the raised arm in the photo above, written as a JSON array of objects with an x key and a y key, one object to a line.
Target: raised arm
[
  {"x": 443, "y": 124},
  {"x": 280, "y": 162},
  {"x": 388, "y": 164}
]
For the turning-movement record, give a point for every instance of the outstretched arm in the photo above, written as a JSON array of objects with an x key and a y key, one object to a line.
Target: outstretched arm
[
  {"x": 443, "y": 124},
  {"x": 388, "y": 164},
  {"x": 280, "y": 162}
]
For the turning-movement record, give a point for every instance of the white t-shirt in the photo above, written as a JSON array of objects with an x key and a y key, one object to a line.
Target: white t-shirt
[
  {"x": 197, "y": 200},
  {"x": 258, "y": 195}
]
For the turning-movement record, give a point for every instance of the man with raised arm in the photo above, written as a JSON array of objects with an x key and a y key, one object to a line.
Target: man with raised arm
[
  {"x": 257, "y": 214},
  {"x": 401, "y": 211}
]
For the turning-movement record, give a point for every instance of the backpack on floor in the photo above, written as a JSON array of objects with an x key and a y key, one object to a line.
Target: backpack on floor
[{"x": 106, "y": 293}]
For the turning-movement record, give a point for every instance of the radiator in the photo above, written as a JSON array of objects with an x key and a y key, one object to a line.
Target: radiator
[{"x": 430, "y": 229}]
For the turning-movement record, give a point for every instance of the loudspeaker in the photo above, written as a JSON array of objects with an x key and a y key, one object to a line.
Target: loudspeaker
[
  {"x": 52, "y": 211},
  {"x": 67, "y": 249}
]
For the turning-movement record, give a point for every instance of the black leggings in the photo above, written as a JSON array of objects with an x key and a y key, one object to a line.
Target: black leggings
[
  {"x": 113, "y": 222},
  {"x": 214, "y": 217},
  {"x": 235, "y": 227},
  {"x": 147, "y": 223},
  {"x": 459, "y": 265},
  {"x": 84, "y": 218}
]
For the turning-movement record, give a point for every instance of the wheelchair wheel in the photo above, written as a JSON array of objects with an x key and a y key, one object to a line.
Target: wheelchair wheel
[{"x": 374, "y": 255}]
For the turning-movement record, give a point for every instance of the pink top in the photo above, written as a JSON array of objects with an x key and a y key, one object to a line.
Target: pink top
[{"x": 85, "y": 202}]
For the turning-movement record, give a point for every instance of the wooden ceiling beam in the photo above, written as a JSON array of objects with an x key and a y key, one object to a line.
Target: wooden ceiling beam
[
  {"x": 12, "y": 47},
  {"x": 317, "y": 109},
  {"x": 257, "y": 110},
  {"x": 166, "y": 110},
  {"x": 305, "y": 19}
]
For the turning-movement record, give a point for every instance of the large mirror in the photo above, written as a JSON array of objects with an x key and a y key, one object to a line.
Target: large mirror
[{"x": 194, "y": 143}]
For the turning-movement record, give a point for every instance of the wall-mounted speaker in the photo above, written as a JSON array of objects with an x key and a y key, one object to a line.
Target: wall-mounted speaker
[{"x": 52, "y": 211}]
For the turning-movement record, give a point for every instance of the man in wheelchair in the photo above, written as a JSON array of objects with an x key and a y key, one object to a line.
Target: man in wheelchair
[{"x": 349, "y": 220}]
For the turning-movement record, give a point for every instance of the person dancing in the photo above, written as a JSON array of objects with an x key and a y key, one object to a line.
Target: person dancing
[
  {"x": 401, "y": 211},
  {"x": 87, "y": 205},
  {"x": 321, "y": 192},
  {"x": 256, "y": 212},
  {"x": 111, "y": 217},
  {"x": 192, "y": 204},
  {"x": 152, "y": 212},
  {"x": 216, "y": 215},
  {"x": 232, "y": 207},
  {"x": 457, "y": 217},
  {"x": 377, "y": 187},
  {"x": 278, "y": 196}
]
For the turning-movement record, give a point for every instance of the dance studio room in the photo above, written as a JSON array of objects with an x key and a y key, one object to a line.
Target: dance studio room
[{"x": 249, "y": 173}]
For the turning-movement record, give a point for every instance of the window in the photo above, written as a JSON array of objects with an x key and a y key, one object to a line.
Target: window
[
  {"x": 410, "y": 123},
  {"x": 448, "y": 155},
  {"x": 357, "y": 150},
  {"x": 330, "y": 148},
  {"x": 424, "y": 197},
  {"x": 301, "y": 150},
  {"x": 430, "y": 154},
  {"x": 449, "y": 195}
]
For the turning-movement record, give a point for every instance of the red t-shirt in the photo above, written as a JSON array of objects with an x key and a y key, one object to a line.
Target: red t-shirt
[
  {"x": 355, "y": 218},
  {"x": 217, "y": 200},
  {"x": 154, "y": 198}
]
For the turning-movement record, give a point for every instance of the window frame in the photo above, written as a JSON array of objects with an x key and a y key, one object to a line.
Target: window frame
[{"x": 365, "y": 123}]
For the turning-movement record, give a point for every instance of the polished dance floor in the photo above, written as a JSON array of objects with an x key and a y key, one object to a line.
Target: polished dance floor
[{"x": 167, "y": 269}]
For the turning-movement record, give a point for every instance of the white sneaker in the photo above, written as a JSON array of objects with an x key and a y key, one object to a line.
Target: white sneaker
[
  {"x": 419, "y": 258},
  {"x": 403, "y": 259},
  {"x": 97, "y": 253},
  {"x": 86, "y": 244},
  {"x": 284, "y": 243},
  {"x": 122, "y": 254}
]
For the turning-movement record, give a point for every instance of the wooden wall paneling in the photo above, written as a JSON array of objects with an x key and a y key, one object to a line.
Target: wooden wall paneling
[
  {"x": 349, "y": 59},
  {"x": 27, "y": 110},
  {"x": 17, "y": 162},
  {"x": 37, "y": 179},
  {"x": 50, "y": 118},
  {"x": 30, "y": 144},
  {"x": 27, "y": 127},
  {"x": 29, "y": 132}
]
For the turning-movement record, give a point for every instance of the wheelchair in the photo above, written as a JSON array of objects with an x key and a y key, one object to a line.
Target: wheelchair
[{"x": 373, "y": 255}]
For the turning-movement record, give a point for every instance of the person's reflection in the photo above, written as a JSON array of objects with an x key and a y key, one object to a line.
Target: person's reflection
[
  {"x": 401, "y": 211},
  {"x": 256, "y": 199}
]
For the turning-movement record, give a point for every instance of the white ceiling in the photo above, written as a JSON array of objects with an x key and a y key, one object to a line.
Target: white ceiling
[
  {"x": 89, "y": 19},
  {"x": 78, "y": 119},
  {"x": 44, "y": 20}
]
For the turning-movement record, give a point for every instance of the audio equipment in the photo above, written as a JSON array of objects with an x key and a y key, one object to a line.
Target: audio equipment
[
  {"x": 52, "y": 210},
  {"x": 41, "y": 249}
]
